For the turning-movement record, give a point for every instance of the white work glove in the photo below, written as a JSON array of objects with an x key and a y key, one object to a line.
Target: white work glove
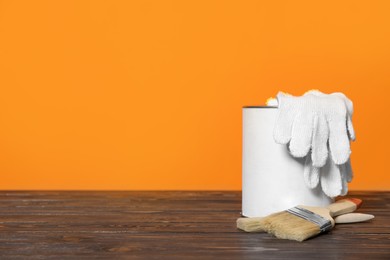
[
  {"x": 310, "y": 121},
  {"x": 331, "y": 119},
  {"x": 334, "y": 178}
]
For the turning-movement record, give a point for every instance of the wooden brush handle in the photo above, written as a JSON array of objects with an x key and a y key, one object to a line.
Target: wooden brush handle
[
  {"x": 344, "y": 206},
  {"x": 353, "y": 218}
]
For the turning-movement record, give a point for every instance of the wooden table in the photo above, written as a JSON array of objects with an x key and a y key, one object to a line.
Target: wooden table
[{"x": 168, "y": 225}]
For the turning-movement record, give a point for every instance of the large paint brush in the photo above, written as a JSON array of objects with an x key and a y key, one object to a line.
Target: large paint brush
[{"x": 301, "y": 222}]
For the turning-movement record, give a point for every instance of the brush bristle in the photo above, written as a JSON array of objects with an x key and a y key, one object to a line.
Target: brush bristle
[
  {"x": 250, "y": 224},
  {"x": 288, "y": 226}
]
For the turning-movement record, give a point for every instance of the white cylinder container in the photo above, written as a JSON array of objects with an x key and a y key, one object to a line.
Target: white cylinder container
[{"x": 272, "y": 180}]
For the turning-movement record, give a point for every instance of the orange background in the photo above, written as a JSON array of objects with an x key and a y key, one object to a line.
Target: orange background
[{"x": 148, "y": 94}]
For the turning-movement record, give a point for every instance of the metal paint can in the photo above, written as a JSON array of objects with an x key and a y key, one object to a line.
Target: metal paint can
[{"x": 272, "y": 180}]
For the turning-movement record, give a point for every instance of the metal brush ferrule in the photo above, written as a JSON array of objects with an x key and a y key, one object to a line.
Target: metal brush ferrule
[{"x": 324, "y": 224}]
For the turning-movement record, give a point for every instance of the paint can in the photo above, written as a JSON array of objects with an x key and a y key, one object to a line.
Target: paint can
[{"x": 272, "y": 180}]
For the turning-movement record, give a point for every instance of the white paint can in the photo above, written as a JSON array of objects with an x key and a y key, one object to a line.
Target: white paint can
[{"x": 272, "y": 180}]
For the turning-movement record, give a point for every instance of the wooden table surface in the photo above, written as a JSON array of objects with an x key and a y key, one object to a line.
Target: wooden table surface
[{"x": 168, "y": 225}]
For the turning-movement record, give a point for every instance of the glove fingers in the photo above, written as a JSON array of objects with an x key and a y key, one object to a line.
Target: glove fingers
[
  {"x": 338, "y": 140},
  {"x": 344, "y": 184},
  {"x": 349, "y": 106},
  {"x": 331, "y": 182},
  {"x": 283, "y": 126},
  {"x": 284, "y": 120},
  {"x": 348, "y": 171},
  {"x": 311, "y": 174},
  {"x": 319, "y": 152},
  {"x": 351, "y": 130},
  {"x": 301, "y": 135}
]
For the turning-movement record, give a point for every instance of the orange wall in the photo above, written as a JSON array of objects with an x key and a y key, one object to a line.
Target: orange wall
[{"x": 148, "y": 94}]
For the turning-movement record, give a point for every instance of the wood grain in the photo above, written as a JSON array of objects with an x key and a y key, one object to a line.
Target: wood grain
[{"x": 168, "y": 225}]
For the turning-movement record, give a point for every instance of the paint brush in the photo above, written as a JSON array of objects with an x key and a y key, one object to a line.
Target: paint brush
[
  {"x": 249, "y": 224},
  {"x": 301, "y": 222}
]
